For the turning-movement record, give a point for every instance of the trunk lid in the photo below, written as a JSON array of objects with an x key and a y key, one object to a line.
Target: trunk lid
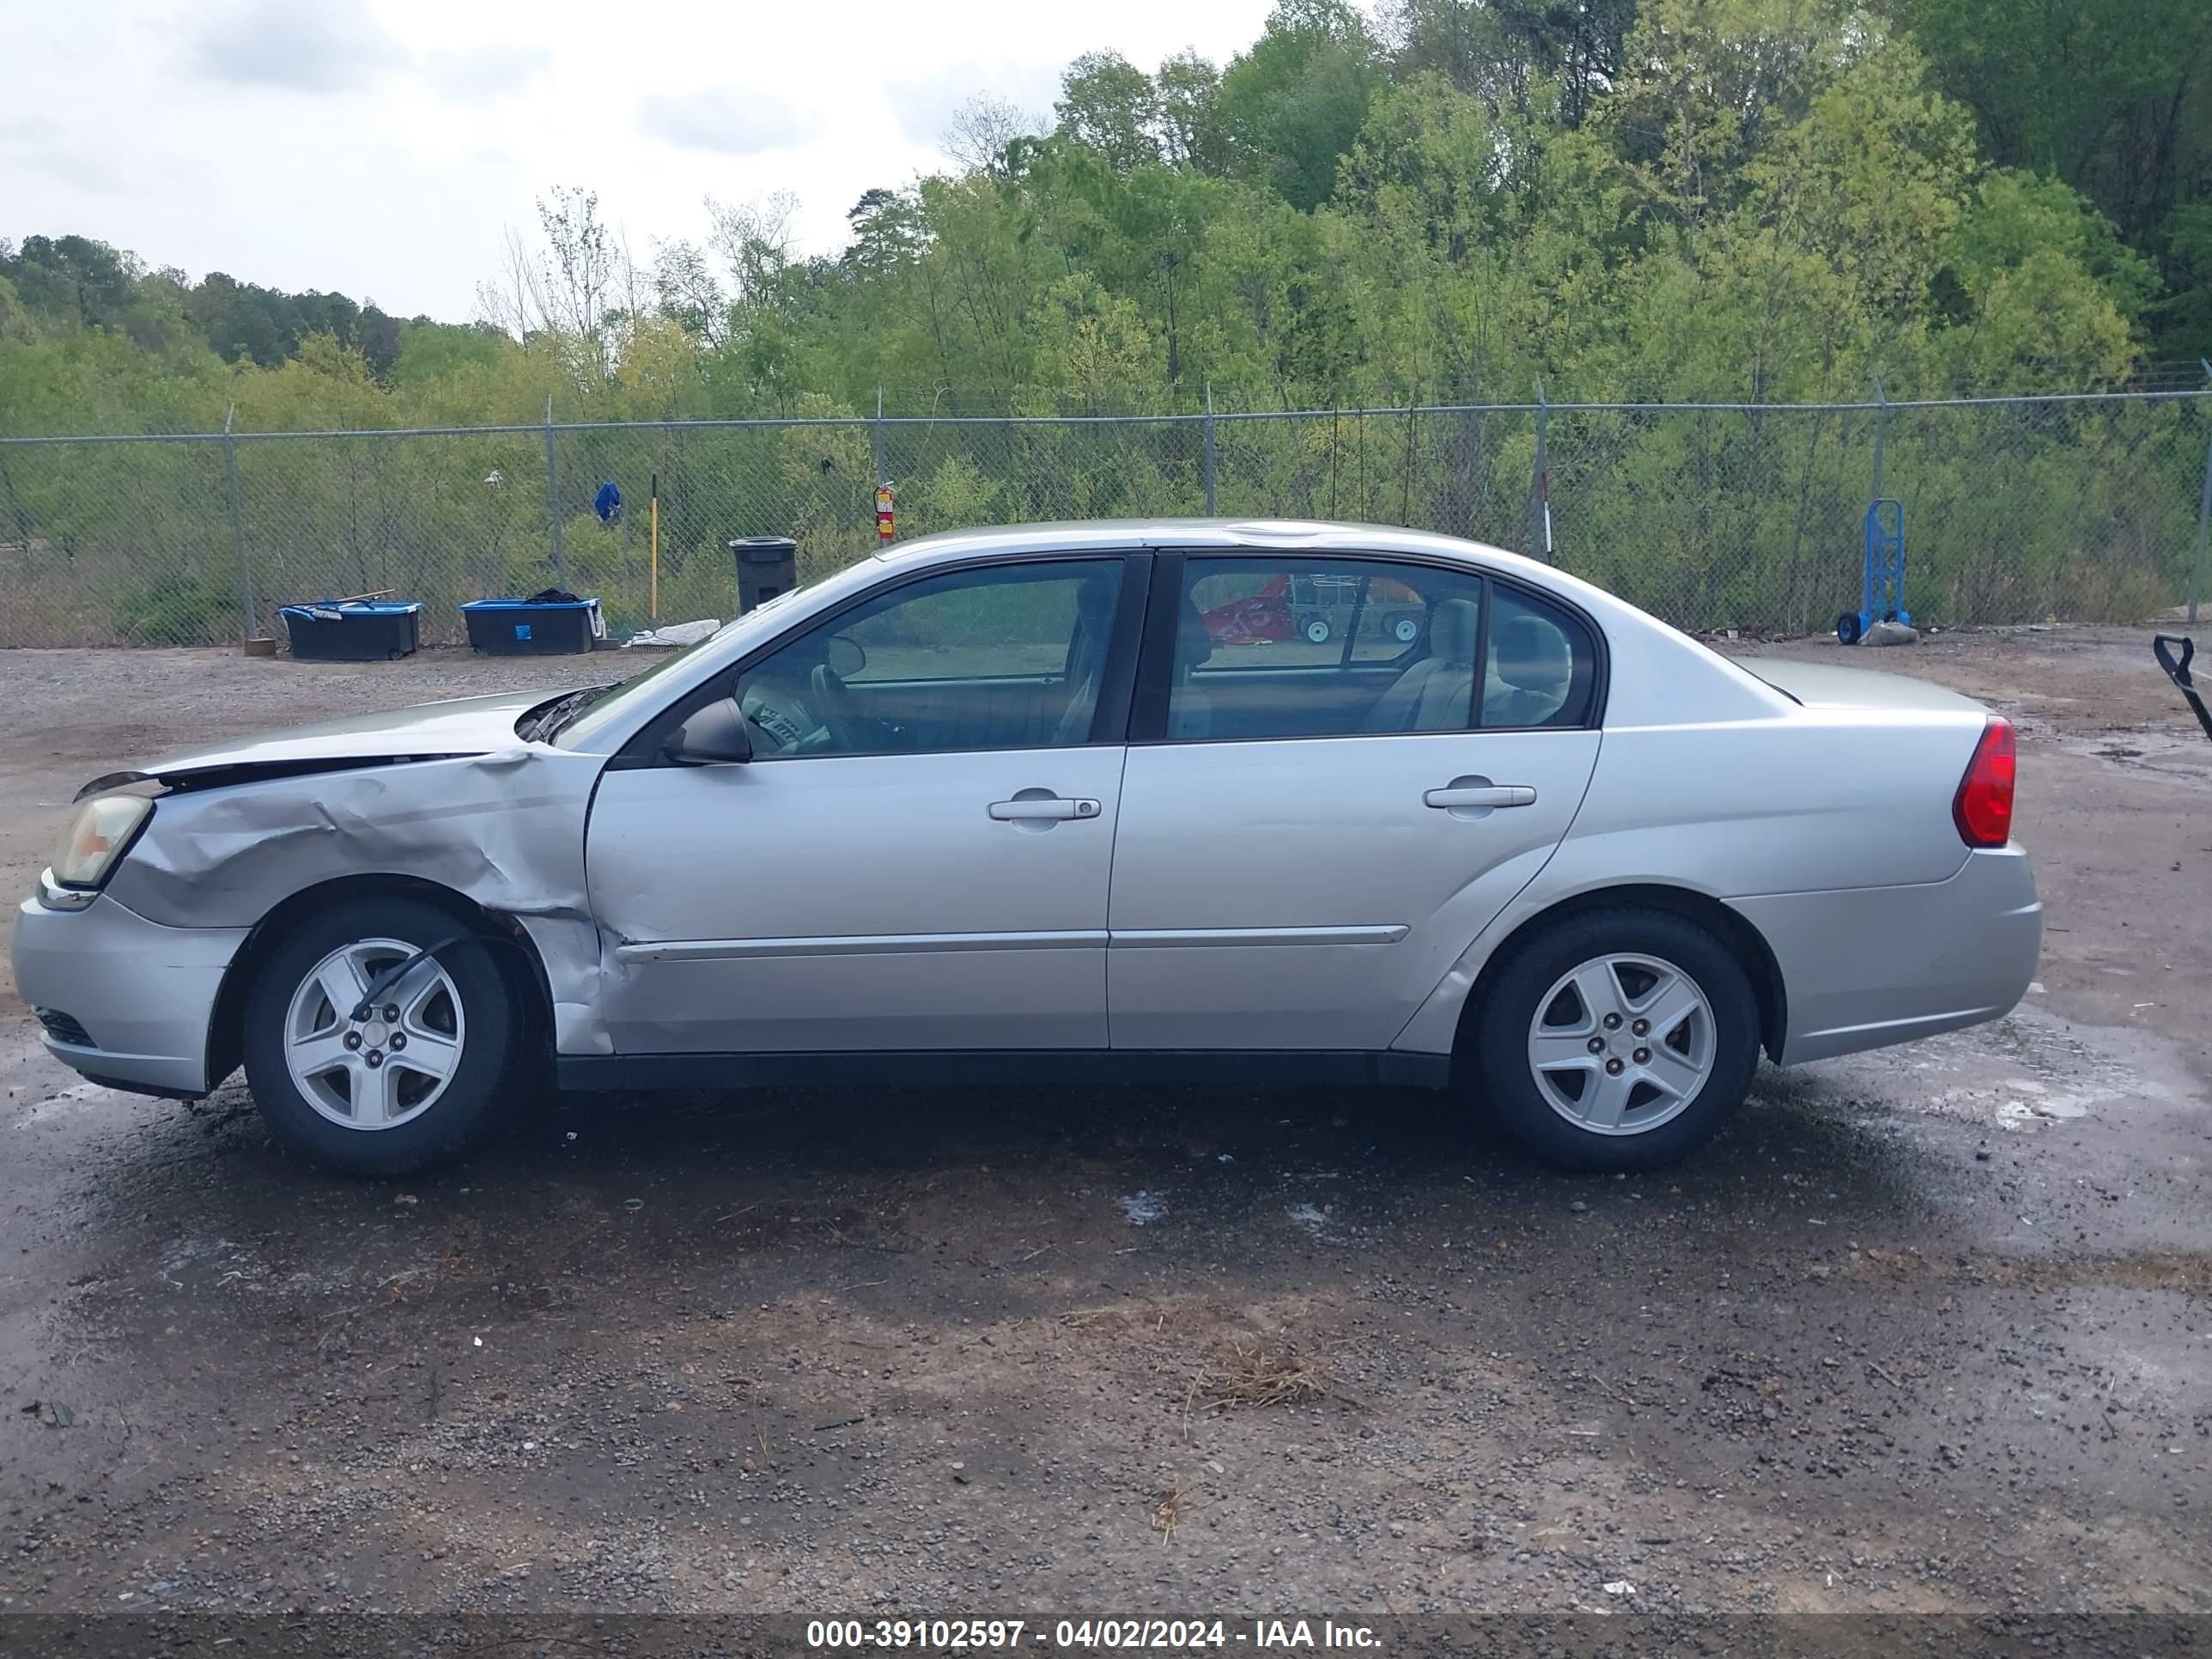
[{"x": 1828, "y": 685}]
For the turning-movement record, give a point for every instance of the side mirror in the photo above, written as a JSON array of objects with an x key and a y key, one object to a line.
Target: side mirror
[
  {"x": 713, "y": 736},
  {"x": 846, "y": 656}
]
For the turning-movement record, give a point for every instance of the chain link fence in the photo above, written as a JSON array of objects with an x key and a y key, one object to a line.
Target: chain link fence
[{"x": 1747, "y": 516}]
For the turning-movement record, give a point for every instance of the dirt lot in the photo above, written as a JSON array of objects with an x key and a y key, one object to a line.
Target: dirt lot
[{"x": 1925, "y": 1330}]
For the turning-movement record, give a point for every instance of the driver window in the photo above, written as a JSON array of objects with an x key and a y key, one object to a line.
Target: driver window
[{"x": 1008, "y": 657}]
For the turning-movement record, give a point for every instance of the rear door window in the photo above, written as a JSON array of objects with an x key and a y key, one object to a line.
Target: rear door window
[
  {"x": 1273, "y": 648},
  {"x": 1391, "y": 621}
]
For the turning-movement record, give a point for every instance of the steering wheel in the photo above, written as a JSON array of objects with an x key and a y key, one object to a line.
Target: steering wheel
[
  {"x": 833, "y": 703},
  {"x": 792, "y": 733}
]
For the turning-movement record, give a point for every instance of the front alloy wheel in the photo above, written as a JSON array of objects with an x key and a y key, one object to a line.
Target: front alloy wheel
[
  {"x": 388, "y": 1083},
  {"x": 373, "y": 1067}
]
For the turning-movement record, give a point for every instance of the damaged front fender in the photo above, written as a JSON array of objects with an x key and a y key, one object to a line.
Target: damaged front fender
[{"x": 504, "y": 830}]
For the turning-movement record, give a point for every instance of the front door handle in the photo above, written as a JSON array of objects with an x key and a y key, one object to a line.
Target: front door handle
[
  {"x": 1461, "y": 796},
  {"x": 1026, "y": 808}
]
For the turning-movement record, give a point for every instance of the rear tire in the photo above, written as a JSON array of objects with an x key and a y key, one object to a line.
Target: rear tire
[
  {"x": 1619, "y": 1039},
  {"x": 431, "y": 1090}
]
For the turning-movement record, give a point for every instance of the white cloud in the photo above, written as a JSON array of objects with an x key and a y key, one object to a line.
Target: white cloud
[
  {"x": 925, "y": 104},
  {"x": 475, "y": 110},
  {"x": 724, "y": 121},
  {"x": 38, "y": 143},
  {"x": 333, "y": 45},
  {"x": 480, "y": 74}
]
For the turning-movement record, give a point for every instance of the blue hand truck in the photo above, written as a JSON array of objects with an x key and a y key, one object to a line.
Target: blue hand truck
[{"x": 1883, "y": 598}]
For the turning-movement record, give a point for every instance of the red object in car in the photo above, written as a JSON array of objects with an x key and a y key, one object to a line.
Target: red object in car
[
  {"x": 1982, "y": 807},
  {"x": 1259, "y": 618}
]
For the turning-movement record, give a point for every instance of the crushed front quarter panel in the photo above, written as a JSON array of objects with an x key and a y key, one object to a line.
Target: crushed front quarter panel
[{"x": 506, "y": 829}]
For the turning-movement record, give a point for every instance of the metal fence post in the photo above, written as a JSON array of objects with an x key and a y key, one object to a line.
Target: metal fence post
[
  {"x": 882, "y": 446},
  {"x": 1209, "y": 472},
  {"x": 2203, "y": 518},
  {"x": 1544, "y": 465},
  {"x": 247, "y": 604},
  {"x": 553, "y": 497}
]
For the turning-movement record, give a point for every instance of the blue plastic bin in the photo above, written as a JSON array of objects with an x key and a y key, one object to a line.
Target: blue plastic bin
[
  {"x": 358, "y": 631},
  {"x": 533, "y": 628}
]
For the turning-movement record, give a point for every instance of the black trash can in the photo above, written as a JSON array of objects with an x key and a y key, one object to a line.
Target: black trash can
[{"x": 766, "y": 566}]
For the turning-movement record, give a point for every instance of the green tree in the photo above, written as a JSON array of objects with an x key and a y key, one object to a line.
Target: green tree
[
  {"x": 1293, "y": 104},
  {"x": 2112, "y": 96},
  {"x": 1184, "y": 94},
  {"x": 73, "y": 275},
  {"x": 1110, "y": 105},
  {"x": 1510, "y": 52},
  {"x": 1707, "y": 82}
]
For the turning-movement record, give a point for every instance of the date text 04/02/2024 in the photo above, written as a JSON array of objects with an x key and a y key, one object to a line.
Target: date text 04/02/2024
[{"x": 1085, "y": 1634}]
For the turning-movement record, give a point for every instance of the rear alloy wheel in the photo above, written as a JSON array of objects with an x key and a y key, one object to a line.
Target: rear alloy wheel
[
  {"x": 1621, "y": 1043},
  {"x": 1619, "y": 1040},
  {"x": 385, "y": 1085}
]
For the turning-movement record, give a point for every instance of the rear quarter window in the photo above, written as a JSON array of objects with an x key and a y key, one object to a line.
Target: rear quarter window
[{"x": 1541, "y": 667}]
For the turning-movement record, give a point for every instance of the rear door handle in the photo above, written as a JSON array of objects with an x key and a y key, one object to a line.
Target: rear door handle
[
  {"x": 1461, "y": 796},
  {"x": 1022, "y": 810}
]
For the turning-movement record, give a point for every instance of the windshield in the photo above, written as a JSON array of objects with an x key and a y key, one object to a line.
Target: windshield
[
  {"x": 587, "y": 715},
  {"x": 576, "y": 726},
  {"x": 609, "y": 702}
]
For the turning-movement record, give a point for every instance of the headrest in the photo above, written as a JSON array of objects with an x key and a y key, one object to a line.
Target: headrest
[
  {"x": 1454, "y": 630},
  {"x": 1531, "y": 654}
]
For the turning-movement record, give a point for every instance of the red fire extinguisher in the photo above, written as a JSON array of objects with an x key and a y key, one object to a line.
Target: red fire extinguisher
[{"x": 884, "y": 500}]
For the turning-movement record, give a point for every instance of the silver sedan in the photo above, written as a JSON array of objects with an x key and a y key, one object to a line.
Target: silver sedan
[{"x": 1183, "y": 800}]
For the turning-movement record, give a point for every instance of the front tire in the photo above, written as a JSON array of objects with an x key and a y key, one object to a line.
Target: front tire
[
  {"x": 412, "y": 1084},
  {"x": 1620, "y": 1039}
]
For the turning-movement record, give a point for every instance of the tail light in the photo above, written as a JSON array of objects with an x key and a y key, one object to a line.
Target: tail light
[{"x": 1982, "y": 807}]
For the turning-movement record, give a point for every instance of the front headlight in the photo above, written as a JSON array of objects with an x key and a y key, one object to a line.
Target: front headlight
[{"x": 98, "y": 835}]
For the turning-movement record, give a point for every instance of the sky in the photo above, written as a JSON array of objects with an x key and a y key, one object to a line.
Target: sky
[{"x": 381, "y": 147}]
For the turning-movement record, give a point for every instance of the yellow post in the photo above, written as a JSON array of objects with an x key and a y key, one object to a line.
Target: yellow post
[{"x": 654, "y": 542}]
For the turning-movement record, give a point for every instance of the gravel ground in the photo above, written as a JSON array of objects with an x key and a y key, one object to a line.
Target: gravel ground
[{"x": 1923, "y": 1331}]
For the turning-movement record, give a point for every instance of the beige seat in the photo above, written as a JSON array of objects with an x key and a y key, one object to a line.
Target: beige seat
[
  {"x": 1534, "y": 670},
  {"x": 1436, "y": 694}
]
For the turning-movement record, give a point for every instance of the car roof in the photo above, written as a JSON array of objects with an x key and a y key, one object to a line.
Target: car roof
[{"x": 1207, "y": 535}]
